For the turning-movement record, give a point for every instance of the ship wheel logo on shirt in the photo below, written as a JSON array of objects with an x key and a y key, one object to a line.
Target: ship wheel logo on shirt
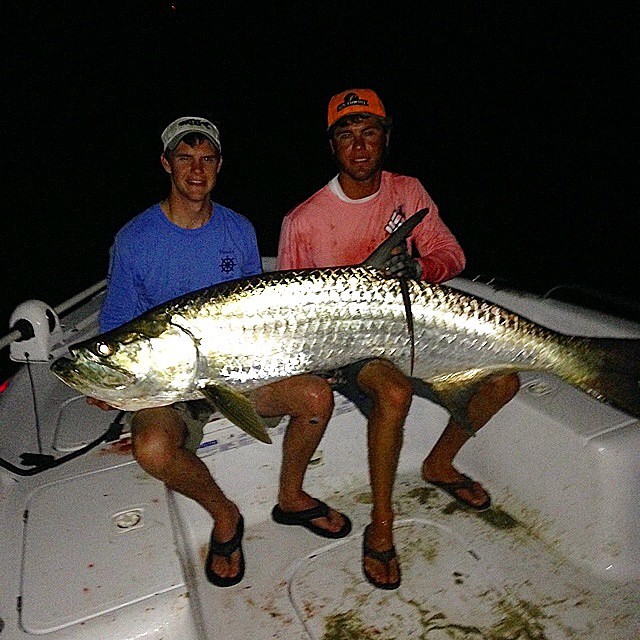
[
  {"x": 227, "y": 265},
  {"x": 395, "y": 221}
]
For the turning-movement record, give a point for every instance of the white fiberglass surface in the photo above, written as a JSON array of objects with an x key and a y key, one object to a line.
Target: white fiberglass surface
[
  {"x": 94, "y": 544},
  {"x": 465, "y": 575}
]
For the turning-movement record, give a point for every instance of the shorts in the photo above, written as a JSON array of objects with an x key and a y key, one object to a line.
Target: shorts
[
  {"x": 196, "y": 414},
  {"x": 344, "y": 381}
]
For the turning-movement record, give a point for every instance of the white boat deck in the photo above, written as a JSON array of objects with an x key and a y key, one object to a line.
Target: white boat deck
[
  {"x": 97, "y": 549},
  {"x": 465, "y": 575}
]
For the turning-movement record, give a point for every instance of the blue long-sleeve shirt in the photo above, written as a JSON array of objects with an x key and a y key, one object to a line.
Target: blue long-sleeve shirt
[{"x": 154, "y": 260}]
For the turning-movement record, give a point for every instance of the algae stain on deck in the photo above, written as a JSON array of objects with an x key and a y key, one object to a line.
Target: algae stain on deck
[
  {"x": 498, "y": 518},
  {"x": 519, "y": 621},
  {"x": 426, "y": 496},
  {"x": 349, "y": 626},
  {"x": 426, "y": 547},
  {"x": 364, "y": 498},
  {"x": 495, "y": 517}
]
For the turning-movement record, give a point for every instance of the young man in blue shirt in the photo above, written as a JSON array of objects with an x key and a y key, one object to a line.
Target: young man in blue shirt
[{"x": 181, "y": 244}]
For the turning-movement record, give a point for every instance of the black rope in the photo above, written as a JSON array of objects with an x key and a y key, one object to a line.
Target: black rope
[
  {"x": 43, "y": 462},
  {"x": 35, "y": 404},
  {"x": 406, "y": 299}
]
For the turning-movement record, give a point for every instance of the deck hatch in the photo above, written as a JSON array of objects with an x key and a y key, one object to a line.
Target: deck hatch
[{"x": 87, "y": 565}]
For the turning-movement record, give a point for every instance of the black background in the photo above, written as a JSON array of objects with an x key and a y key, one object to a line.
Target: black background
[{"x": 518, "y": 118}]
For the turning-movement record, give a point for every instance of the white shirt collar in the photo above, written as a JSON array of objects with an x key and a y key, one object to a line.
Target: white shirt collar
[{"x": 334, "y": 186}]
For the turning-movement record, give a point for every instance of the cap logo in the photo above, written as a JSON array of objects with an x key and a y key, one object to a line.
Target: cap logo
[
  {"x": 179, "y": 128},
  {"x": 352, "y": 100},
  {"x": 195, "y": 122}
]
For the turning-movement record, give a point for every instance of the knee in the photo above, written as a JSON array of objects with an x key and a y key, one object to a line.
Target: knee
[
  {"x": 307, "y": 398},
  {"x": 504, "y": 388},
  {"x": 389, "y": 388},
  {"x": 509, "y": 386},
  {"x": 399, "y": 393},
  {"x": 153, "y": 449},
  {"x": 318, "y": 397}
]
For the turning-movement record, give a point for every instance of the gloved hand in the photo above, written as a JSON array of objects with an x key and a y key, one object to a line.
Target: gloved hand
[{"x": 401, "y": 264}]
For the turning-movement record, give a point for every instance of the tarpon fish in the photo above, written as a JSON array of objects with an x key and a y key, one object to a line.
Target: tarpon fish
[{"x": 221, "y": 342}]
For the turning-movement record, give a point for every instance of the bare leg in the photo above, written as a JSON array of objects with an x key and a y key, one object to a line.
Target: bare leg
[
  {"x": 157, "y": 438},
  {"x": 308, "y": 400},
  {"x": 438, "y": 465},
  {"x": 391, "y": 393}
]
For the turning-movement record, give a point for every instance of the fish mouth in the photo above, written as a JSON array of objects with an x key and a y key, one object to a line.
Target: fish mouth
[
  {"x": 85, "y": 375},
  {"x": 62, "y": 365}
]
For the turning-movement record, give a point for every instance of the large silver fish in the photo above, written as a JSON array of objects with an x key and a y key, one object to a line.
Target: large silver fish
[{"x": 226, "y": 340}]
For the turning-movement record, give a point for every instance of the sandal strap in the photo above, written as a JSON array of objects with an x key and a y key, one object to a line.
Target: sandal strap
[
  {"x": 321, "y": 510},
  {"x": 380, "y": 556},
  {"x": 465, "y": 483},
  {"x": 229, "y": 547}
]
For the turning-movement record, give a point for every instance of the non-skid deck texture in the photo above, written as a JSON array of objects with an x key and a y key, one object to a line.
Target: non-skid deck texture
[{"x": 465, "y": 576}]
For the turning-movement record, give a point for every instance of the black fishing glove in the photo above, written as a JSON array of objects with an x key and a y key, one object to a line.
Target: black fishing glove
[{"x": 402, "y": 265}]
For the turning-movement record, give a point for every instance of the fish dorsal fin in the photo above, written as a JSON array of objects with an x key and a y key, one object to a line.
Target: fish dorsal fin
[
  {"x": 237, "y": 408},
  {"x": 381, "y": 255}
]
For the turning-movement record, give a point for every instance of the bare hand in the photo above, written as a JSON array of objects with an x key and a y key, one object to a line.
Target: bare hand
[{"x": 401, "y": 264}]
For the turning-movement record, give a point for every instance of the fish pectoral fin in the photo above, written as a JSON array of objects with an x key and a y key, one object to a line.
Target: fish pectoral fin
[
  {"x": 237, "y": 408},
  {"x": 455, "y": 390}
]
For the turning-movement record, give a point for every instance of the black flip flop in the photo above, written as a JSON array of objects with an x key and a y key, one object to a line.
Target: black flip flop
[
  {"x": 303, "y": 519},
  {"x": 381, "y": 556},
  {"x": 453, "y": 488},
  {"x": 226, "y": 549}
]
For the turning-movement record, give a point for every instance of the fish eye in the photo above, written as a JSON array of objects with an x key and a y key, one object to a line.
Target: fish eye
[{"x": 104, "y": 349}]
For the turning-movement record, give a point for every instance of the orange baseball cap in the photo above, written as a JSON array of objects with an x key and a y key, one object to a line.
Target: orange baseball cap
[{"x": 354, "y": 101}]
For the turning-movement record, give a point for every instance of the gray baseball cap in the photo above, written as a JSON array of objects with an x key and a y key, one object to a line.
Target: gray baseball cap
[{"x": 179, "y": 128}]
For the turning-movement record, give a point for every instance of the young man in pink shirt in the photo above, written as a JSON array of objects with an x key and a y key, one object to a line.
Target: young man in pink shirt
[{"x": 341, "y": 224}]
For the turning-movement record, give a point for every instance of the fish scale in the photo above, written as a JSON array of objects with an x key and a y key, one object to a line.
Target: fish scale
[{"x": 237, "y": 336}]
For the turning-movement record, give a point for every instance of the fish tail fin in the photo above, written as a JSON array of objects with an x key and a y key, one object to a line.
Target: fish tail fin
[
  {"x": 618, "y": 375},
  {"x": 381, "y": 255}
]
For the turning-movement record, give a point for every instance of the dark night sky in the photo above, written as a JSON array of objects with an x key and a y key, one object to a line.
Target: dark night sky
[{"x": 519, "y": 118}]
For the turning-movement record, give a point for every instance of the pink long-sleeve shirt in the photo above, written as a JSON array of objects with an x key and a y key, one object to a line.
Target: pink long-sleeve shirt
[{"x": 331, "y": 230}]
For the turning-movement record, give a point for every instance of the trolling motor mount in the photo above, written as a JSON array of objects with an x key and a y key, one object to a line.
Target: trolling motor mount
[{"x": 40, "y": 332}]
